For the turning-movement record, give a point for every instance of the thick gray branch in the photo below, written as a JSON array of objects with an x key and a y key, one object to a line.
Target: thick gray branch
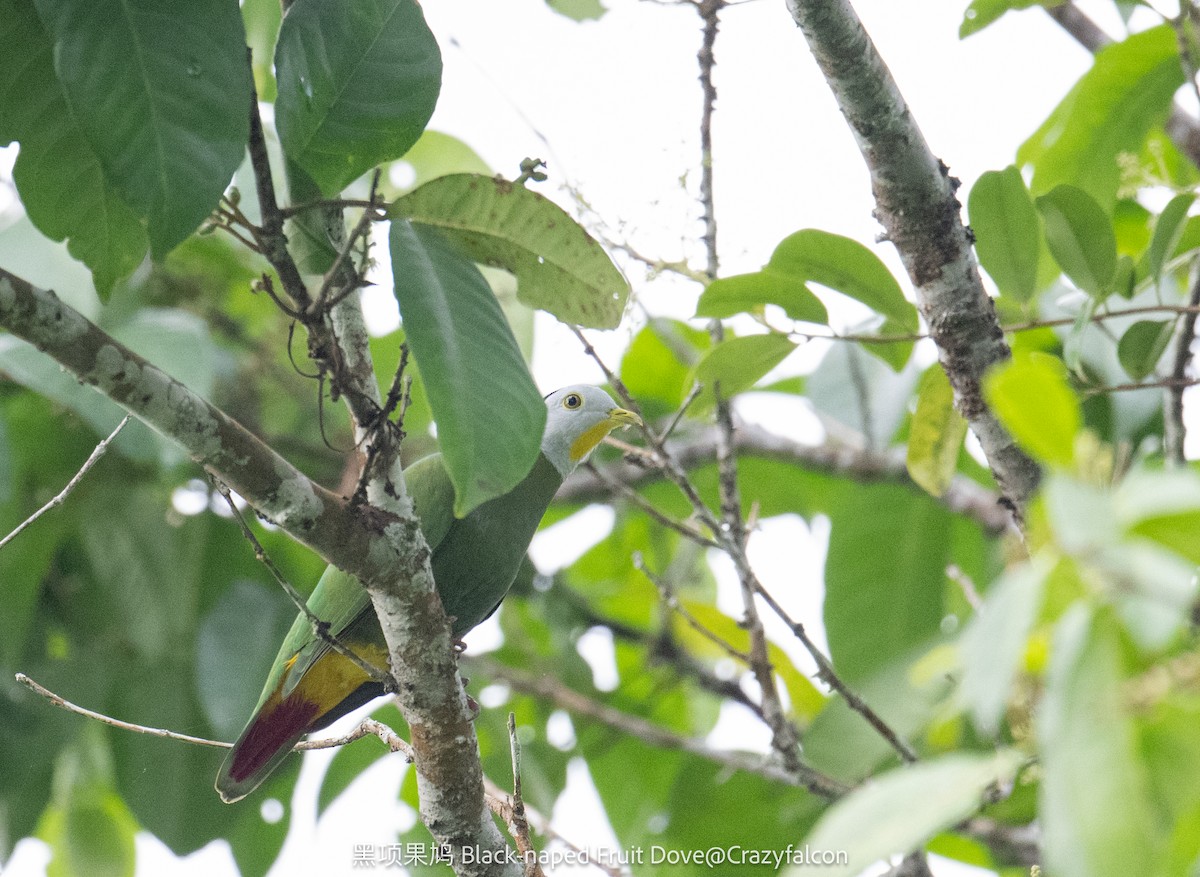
[
  {"x": 386, "y": 552},
  {"x": 963, "y": 496},
  {"x": 916, "y": 204}
]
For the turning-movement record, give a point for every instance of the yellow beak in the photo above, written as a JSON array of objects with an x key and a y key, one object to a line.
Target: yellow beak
[{"x": 624, "y": 418}]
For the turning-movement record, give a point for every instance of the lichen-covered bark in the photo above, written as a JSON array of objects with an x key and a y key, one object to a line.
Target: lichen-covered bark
[{"x": 916, "y": 204}]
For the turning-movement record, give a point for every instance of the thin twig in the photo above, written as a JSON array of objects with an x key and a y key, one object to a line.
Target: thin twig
[
  {"x": 323, "y": 301},
  {"x": 366, "y": 728},
  {"x": 649, "y": 508},
  {"x": 667, "y": 464},
  {"x": 710, "y": 13},
  {"x": 672, "y": 601},
  {"x": 62, "y": 495},
  {"x": 648, "y": 732},
  {"x": 1174, "y": 429},
  {"x": 271, "y": 238},
  {"x": 320, "y": 627},
  {"x": 65, "y": 704},
  {"x": 827, "y": 674},
  {"x": 684, "y": 406},
  {"x": 1163, "y": 383},
  {"x": 497, "y": 801},
  {"x": 517, "y": 822}
]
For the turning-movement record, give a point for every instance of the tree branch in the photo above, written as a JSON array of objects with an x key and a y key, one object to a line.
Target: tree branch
[
  {"x": 963, "y": 496},
  {"x": 1174, "y": 430},
  {"x": 386, "y": 552},
  {"x": 916, "y": 204},
  {"x": 648, "y": 732}
]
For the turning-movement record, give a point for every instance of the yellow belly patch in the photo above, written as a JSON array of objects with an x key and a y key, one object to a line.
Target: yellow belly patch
[{"x": 334, "y": 676}]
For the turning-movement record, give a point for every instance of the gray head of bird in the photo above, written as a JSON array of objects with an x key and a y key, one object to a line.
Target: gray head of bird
[{"x": 578, "y": 418}]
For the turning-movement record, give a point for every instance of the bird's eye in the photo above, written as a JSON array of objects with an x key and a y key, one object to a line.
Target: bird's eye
[{"x": 572, "y": 401}]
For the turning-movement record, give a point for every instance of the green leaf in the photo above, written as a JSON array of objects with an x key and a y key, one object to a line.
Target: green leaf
[
  {"x": 1031, "y": 397},
  {"x": 261, "y": 19},
  {"x": 658, "y": 364},
  {"x": 160, "y": 93},
  {"x": 847, "y": 266},
  {"x": 357, "y": 85},
  {"x": 737, "y": 364},
  {"x": 56, "y": 165},
  {"x": 1080, "y": 237},
  {"x": 1142, "y": 346},
  {"x": 981, "y": 13},
  {"x": 1167, "y": 232},
  {"x": 1095, "y": 810},
  {"x": 559, "y": 267},
  {"x": 1112, "y": 108},
  {"x": 88, "y": 828},
  {"x": 489, "y": 413},
  {"x": 861, "y": 392},
  {"x": 1007, "y": 233},
  {"x": 936, "y": 434},
  {"x": 235, "y": 646},
  {"x": 899, "y": 811},
  {"x": 579, "y": 10},
  {"x": 879, "y": 604},
  {"x": 994, "y": 643},
  {"x": 435, "y": 155},
  {"x": 750, "y": 293},
  {"x": 1163, "y": 507}
]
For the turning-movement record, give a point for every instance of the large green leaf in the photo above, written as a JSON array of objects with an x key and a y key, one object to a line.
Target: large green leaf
[
  {"x": 1080, "y": 237},
  {"x": 981, "y": 13},
  {"x": 161, "y": 94},
  {"x": 1142, "y": 346},
  {"x": 559, "y": 267},
  {"x": 899, "y": 811},
  {"x": 936, "y": 434},
  {"x": 63, "y": 186},
  {"x": 846, "y": 266},
  {"x": 1109, "y": 111},
  {"x": 235, "y": 645},
  {"x": 881, "y": 603},
  {"x": 1031, "y": 397},
  {"x": 737, "y": 364},
  {"x": 751, "y": 293},
  {"x": 1007, "y": 233},
  {"x": 89, "y": 829},
  {"x": 1168, "y": 230},
  {"x": 994, "y": 643},
  {"x": 1095, "y": 808},
  {"x": 357, "y": 85},
  {"x": 489, "y": 413}
]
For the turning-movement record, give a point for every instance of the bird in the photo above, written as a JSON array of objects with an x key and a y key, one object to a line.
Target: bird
[{"x": 474, "y": 560}]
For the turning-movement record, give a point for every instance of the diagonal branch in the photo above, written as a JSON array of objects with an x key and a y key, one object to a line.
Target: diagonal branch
[
  {"x": 916, "y": 204},
  {"x": 552, "y": 689},
  {"x": 963, "y": 496},
  {"x": 386, "y": 552}
]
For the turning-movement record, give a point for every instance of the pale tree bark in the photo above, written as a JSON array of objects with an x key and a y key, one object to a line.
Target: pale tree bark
[
  {"x": 916, "y": 204},
  {"x": 386, "y": 551}
]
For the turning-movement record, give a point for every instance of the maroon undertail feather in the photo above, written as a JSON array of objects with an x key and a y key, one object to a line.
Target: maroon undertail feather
[{"x": 274, "y": 728}]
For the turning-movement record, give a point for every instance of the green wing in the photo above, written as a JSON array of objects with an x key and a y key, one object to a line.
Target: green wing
[{"x": 340, "y": 600}]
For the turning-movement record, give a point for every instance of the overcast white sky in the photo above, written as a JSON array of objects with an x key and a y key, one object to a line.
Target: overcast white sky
[{"x": 617, "y": 104}]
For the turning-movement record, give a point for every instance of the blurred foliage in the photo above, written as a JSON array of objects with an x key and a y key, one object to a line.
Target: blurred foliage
[{"x": 1052, "y": 679}]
